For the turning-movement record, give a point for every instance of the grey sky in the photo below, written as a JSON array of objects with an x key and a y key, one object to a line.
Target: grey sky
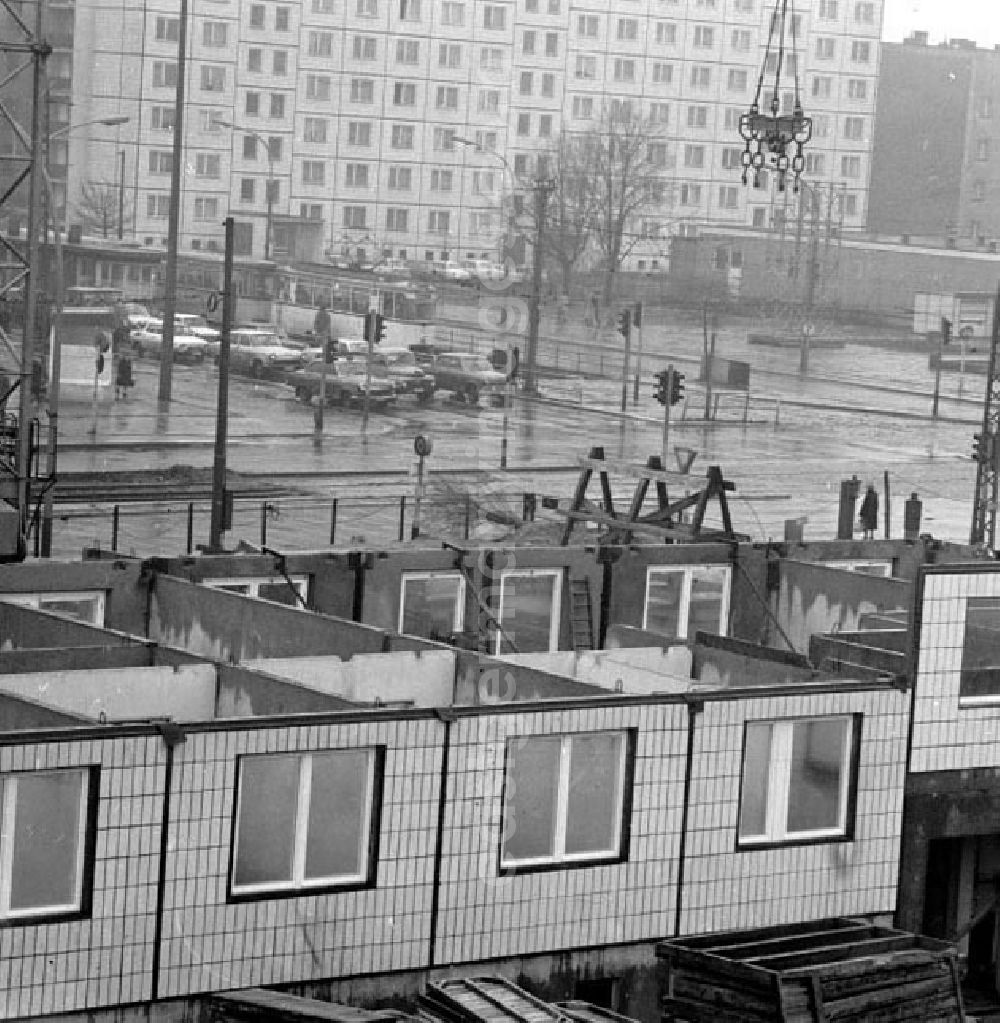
[{"x": 944, "y": 19}]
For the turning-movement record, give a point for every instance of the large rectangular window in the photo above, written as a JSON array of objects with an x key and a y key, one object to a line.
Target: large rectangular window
[
  {"x": 305, "y": 820},
  {"x": 47, "y": 818},
  {"x": 529, "y": 611},
  {"x": 981, "y": 649},
  {"x": 293, "y": 589},
  {"x": 432, "y": 604},
  {"x": 566, "y": 799},
  {"x": 798, "y": 780},
  {"x": 87, "y": 605},
  {"x": 683, "y": 600}
]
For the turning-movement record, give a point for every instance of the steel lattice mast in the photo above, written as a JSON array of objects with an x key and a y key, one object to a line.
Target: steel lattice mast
[{"x": 987, "y": 449}]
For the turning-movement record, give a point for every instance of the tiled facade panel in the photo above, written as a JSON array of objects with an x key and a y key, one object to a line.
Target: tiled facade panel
[
  {"x": 726, "y": 888},
  {"x": 210, "y": 944},
  {"x": 106, "y": 959},
  {"x": 948, "y": 736},
  {"x": 484, "y": 915}
]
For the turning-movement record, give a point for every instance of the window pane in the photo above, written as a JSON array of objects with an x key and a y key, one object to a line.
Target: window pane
[
  {"x": 663, "y": 601},
  {"x": 707, "y": 589},
  {"x": 265, "y": 836},
  {"x": 338, "y": 814},
  {"x": 530, "y": 799},
  {"x": 526, "y": 612},
  {"x": 981, "y": 648},
  {"x": 753, "y": 798},
  {"x": 279, "y": 593},
  {"x": 46, "y": 841},
  {"x": 816, "y": 774},
  {"x": 429, "y": 606},
  {"x": 84, "y": 608},
  {"x": 593, "y": 805}
]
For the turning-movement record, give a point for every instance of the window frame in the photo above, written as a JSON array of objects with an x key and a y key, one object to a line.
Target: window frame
[
  {"x": 299, "y": 887},
  {"x": 35, "y": 598},
  {"x": 458, "y": 618},
  {"x": 684, "y": 611},
  {"x": 253, "y": 583},
  {"x": 555, "y": 618},
  {"x": 779, "y": 770},
  {"x": 85, "y": 853},
  {"x": 622, "y": 812}
]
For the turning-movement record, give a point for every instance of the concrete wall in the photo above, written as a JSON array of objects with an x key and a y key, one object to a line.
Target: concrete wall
[
  {"x": 243, "y": 692},
  {"x": 24, "y": 628},
  {"x": 635, "y": 670},
  {"x": 185, "y": 693},
  {"x": 19, "y": 713}
]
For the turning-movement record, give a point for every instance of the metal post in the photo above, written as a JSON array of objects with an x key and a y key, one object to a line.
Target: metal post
[
  {"x": 190, "y": 527},
  {"x": 321, "y": 400},
  {"x": 415, "y": 528},
  {"x": 507, "y": 398},
  {"x": 468, "y": 515},
  {"x": 222, "y": 401},
  {"x": 887, "y": 498},
  {"x": 638, "y": 357},
  {"x": 55, "y": 372},
  {"x": 174, "y": 212},
  {"x": 263, "y": 523},
  {"x": 402, "y": 515},
  {"x": 625, "y": 366},
  {"x": 666, "y": 412},
  {"x": 333, "y": 522},
  {"x": 542, "y": 189},
  {"x": 121, "y": 196},
  {"x": 369, "y": 346},
  {"x": 270, "y": 203},
  {"x": 115, "y": 513},
  {"x": 937, "y": 377}
]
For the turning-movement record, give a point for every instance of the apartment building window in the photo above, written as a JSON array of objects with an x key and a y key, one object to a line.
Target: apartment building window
[
  {"x": 743, "y": 6},
  {"x": 449, "y": 55},
  {"x": 404, "y": 94},
  {"x": 551, "y": 44},
  {"x": 728, "y": 197},
  {"x": 164, "y": 74},
  {"x": 401, "y": 178},
  {"x": 857, "y": 88},
  {"x": 214, "y": 33},
  {"x": 854, "y": 128},
  {"x": 628, "y": 29},
  {"x": 160, "y": 161},
  {"x": 494, "y": 17},
  {"x": 799, "y": 779},
  {"x": 566, "y": 798},
  {"x": 83, "y": 605},
  {"x": 736, "y": 80},
  {"x": 732, "y": 117},
  {"x": 362, "y": 90},
  {"x": 486, "y": 141},
  {"x": 815, "y": 164},
  {"x": 157, "y": 206},
  {"x": 311, "y": 211},
  {"x": 520, "y": 169},
  {"x": 209, "y": 121},
  {"x": 397, "y": 219},
  {"x": 982, "y": 149},
  {"x": 985, "y": 106},
  {"x": 528, "y": 43},
  {"x": 980, "y": 666},
  {"x": 167, "y": 30},
  {"x": 442, "y": 180},
  {"x": 554, "y": 6},
  {"x": 851, "y": 206},
  {"x": 409, "y": 10},
  {"x": 444, "y": 139},
  {"x": 489, "y": 101},
  {"x": 666, "y": 33},
  {"x": 313, "y": 172},
  {"x": 276, "y": 107},
  {"x": 483, "y": 182},
  {"x": 206, "y": 208},
  {"x": 663, "y": 74},
  {"x": 247, "y": 189},
  {"x": 864, "y": 12},
  {"x": 683, "y": 600},
  {"x": 281, "y": 19},
  {"x": 690, "y": 194},
  {"x": 162, "y": 118},
  {"x": 586, "y": 66},
  {"x": 529, "y": 610},
  {"x": 656, "y": 154},
  {"x": 320, "y": 44},
  {"x": 359, "y": 133},
  {"x": 366, "y": 8},
  {"x": 356, "y": 175},
  {"x": 825, "y": 48},
  {"x": 213, "y": 78},
  {"x": 318, "y": 87},
  {"x": 364, "y": 48},
  {"x": 314, "y": 129},
  {"x": 279, "y": 63},
  {"x": 401, "y": 136},
  {"x": 821, "y": 126},
  {"x": 355, "y": 216},
  {"x": 587, "y": 26},
  {"x": 207, "y": 165},
  {"x": 524, "y": 124},
  {"x": 251, "y": 103},
  {"x": 452, "y": 13},
  {"x": 701, "y": 76},
  {"x": 256, "y": 15},
  {"x": 491, "y": 58},
  {"x": 624, "y": 70},
  {"x": 621, "y": 109},
  {"x": 732, "y": 158},
  {"x": 49, "y": 822},
  {"x": 322, "y": 6},
  {"x": 548, "y": 84},
  {"x": 431, "y": 604},
  {"x": 583, "y": 107},
  {"x": 759, "y": 216},
  {"x": 439, "y": 221},
  {"x": 704, "y": 36},
  {"x": 447, "y": 97},
  {"x": 544, "y": 128},
  {"x": 822, "y": 86},
  {"x": 828, "y": 9},
  {"x": 255, "y": 59},
  {"x": 407, "y": 51},
  {"x": 742, "y": 39},
  {"x": 531, "y": 6},
  {"x": 659, "y": 113},
  {"x": 305, "y": 821},
  {"x": 697, "y": 117}
]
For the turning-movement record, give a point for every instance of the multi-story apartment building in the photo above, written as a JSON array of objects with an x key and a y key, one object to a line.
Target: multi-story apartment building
[{"x": 398, "y": 126}]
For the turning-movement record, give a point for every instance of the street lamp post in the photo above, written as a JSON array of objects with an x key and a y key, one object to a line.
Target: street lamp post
[
  {"x": 121, "y": 195},
  {"x": 471, "y": 144},
  {"x": 269, "y": 188}
]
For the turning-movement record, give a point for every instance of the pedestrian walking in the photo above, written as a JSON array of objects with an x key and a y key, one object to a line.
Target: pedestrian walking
[
  {"x": 123, "y": 377},
  {"x": 322, "y": 324},
  {"x": 869, "y": 512}
]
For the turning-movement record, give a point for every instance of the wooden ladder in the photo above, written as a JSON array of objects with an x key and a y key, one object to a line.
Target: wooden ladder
[{"x": 580, "y": 614}]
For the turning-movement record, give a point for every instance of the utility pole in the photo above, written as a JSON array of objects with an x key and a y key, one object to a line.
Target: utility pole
[
  {"x": 987, "y": 448},
  {"x": 542, "y": 188},
  {"x": 218, "y": 523},
  {"x": 666, "y": 412},
  {"x": 173, "y": 223}
]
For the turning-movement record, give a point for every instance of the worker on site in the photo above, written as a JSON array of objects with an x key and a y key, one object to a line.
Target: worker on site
[{"x": 869, "y": 513}]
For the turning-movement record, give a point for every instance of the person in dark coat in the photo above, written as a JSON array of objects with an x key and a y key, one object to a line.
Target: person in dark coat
[{"x": 869, "y": 512}]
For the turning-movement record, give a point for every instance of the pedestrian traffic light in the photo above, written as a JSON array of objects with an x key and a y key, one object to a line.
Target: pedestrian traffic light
[
  {"x": 677, "y": 390},
  {"x": 625, "y": 323},
  {"x": 945, "y": 330},
  {"x": 662, "y": 382},
  {"x": 329, "y": 350}
]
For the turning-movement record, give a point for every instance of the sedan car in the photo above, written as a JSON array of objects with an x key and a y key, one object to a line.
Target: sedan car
[
  {"x": 261, "y": 353},
  {"x": 148, "y": 340},
  {"x": 346, "y": 384}
]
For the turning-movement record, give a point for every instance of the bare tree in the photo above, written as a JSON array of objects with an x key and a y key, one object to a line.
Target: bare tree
[{"x": 101, "y": 207}]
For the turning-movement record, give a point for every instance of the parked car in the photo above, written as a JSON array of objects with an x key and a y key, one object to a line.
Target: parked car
[
  {"x": 450, "y": 270},
  {"x": 486, "y": 270},
  {"x": 346, "y": 383},
  {"x": 399, "y": 365},
  {"x": 261, "y": 353},
  {"x": 426, "y": 351},
  {"x": 467, "y": 376},
  {"x": 148, "y": 340},
  {"x": 393, "y": 268}
]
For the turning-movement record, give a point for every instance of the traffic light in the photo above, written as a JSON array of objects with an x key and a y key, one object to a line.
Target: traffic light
[
  {"x": 637, "y": 316},
  {"x": 625, "y": 323},
  {"x": 374, "y": 327},
  {"x": 677, "y": 390},
  {"x": 945, "y": 330},
  {"x": 329, "y": 350},
  {"x": 661, "y": 386},
  {"x": 982, "y": 447},
  {"x": 379, "y": 328}
]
